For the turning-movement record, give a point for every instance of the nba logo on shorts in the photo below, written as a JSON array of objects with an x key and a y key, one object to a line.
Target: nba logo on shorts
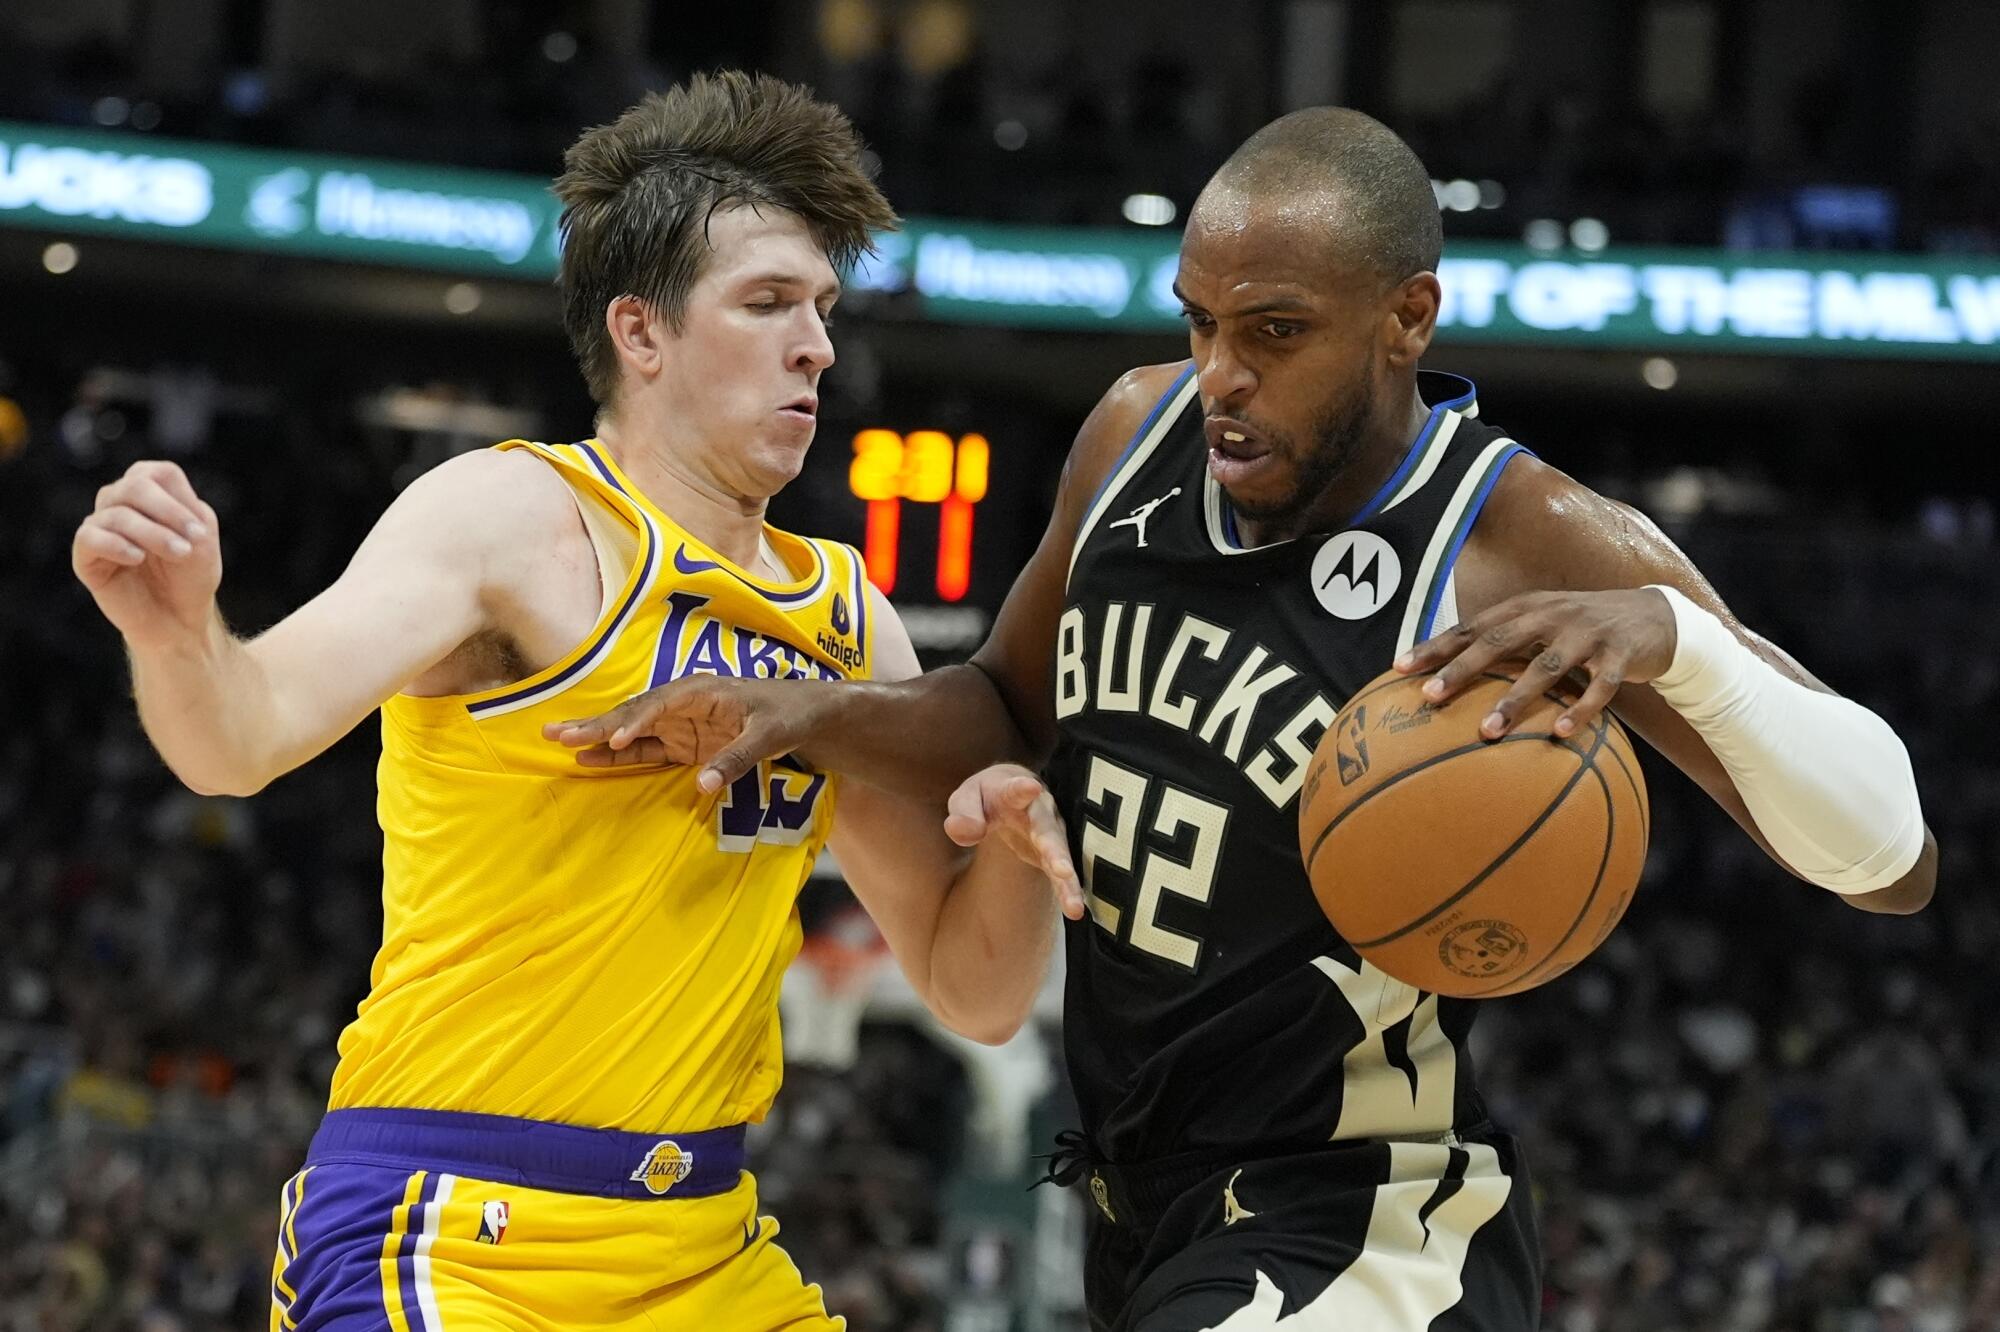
[
  {"x": 665, "y": 1166},
  {"x": 492, "y": 1221}
]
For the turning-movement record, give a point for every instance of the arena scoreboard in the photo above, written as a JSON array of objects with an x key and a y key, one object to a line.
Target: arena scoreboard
[
  {"x": 945, "y": 501},
  {"x": 890, "y": 470}
]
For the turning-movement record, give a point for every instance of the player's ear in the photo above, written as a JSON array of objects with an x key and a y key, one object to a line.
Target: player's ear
[
  {"x": 636, "y": 335},
  {"x": 1412, "y": 317}
]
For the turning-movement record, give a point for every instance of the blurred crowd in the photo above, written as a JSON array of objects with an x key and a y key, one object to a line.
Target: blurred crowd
[
  {"x": 970, "y": 114},
  {"x": 1754, "y": 1111}
]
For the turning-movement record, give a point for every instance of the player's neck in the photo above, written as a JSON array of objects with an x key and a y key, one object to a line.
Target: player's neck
[
  {"x": 730, "y": 524},
  {"x": 1380, "y": 452}
]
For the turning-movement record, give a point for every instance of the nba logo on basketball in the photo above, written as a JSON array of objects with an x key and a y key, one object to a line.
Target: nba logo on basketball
[
  {"x": 1353, "y": 751},
  {"x": 492, "y": 1222},
  {"x": 665, "y": 1166}
]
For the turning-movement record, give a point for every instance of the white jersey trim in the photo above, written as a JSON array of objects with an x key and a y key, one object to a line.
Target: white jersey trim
[
  {"x": 1441, "y": 535},
  {"x": 1163, "y": 423},
  {"x": 1433, "y": 455},
  {"x": 1412, "y": 1264}
]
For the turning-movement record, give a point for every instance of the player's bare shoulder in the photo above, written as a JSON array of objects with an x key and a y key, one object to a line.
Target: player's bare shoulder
[
  {"x": 1111, "y": 425},
  {"x": 1543, "y": 530},
  {"x": 500, "y": 493},
  {"x": 513, "y": 523}
]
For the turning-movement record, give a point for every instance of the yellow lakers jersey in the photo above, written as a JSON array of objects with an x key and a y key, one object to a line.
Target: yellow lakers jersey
[{"x": 596, "y": 946}]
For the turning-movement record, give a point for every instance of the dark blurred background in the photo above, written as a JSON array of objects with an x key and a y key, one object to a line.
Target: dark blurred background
[{"x": 1752, "y": 1110}]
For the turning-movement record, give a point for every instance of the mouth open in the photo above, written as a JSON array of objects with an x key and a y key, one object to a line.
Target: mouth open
[
  {"x": 1236, "y": 450},
  {"x": 803, "y": 408}
]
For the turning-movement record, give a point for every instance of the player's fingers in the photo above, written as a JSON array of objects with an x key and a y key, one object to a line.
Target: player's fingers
[
  {"x": 1550, "y": 665},
  {"x": 1051, "y": 843},
  {"x": 206, "y": 512},
  {"x": 96, "y": 542},
  {"x": 1443, "y": 647},
  {"x": 143, "y": 532},
  {"x": 1494, "y": 640},
  {"x": 581, "y": 731},
  {"x": 1436, "y": 650},
  {"x": 965, "y": 814},
  {"x": 646, "y": 751},
  {"x": 752, "y": 745},
  {"x": 1606, "y": 675},
  {"x": 172, "y": 480},
  {"x": 965, "y": 830},
  {"x": 169, "y": 506},
  {"x": 1010, "y": 806},
  {"x": 1021, "y": 792},
  {"x": 616, "y": 727}
]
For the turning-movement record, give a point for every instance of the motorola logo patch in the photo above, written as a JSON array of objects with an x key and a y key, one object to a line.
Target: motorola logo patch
[{"x": 1355, "y": 574}]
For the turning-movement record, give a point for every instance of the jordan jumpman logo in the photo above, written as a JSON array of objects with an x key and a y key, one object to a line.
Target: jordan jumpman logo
[{"x": 1138, "y": 517}]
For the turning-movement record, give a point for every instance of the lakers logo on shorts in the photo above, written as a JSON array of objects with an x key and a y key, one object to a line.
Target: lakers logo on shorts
[{"x": 665, "y": 1166}]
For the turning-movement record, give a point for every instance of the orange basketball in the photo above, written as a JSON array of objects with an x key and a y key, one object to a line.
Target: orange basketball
[{"x": 1465, "y": 866}]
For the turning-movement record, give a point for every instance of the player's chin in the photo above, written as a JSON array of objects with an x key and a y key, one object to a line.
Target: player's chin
[
  {"x": 777, "y": 462},
  {"x": 1258, "y": 488}
]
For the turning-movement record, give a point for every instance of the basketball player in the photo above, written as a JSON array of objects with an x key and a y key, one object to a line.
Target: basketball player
[
  {"x": 1277, "y": 1135},
  {"x": 538, "y": 1116}
]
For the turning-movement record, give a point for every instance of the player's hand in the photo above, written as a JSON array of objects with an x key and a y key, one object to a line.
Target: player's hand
[
  {"x": 1607, "y": 638},
  {"x": 150, "y": 554},
  {"x": 1009, "y": 802},
  {"x": 726, "y": 725}
]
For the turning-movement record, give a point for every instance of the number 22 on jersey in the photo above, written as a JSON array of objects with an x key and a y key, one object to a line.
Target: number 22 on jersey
[{"x": 1125, "y": 799}]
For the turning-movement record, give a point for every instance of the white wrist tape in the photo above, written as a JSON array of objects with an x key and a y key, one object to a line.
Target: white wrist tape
[{"x": 1828, "y": 783}]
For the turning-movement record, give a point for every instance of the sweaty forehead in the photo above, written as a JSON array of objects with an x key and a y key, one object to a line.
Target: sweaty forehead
[
  {"x": 1239, "y": 240},
  {"x": 743, "y": 239}
]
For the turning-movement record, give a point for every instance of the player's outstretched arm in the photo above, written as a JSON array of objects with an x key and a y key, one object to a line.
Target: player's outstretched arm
[
  {"x": 963, "y": 902},
  {"x": 921, "y": 737},
  {"x": 1581, "y": 586},
  {"x": 228, "y": 714}
]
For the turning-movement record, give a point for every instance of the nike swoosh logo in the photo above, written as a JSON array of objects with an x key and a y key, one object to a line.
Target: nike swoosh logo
[{"x": 689, "y": 566}]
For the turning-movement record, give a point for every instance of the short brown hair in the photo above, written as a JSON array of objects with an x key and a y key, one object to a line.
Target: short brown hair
[{"x": 637, "y": 195}]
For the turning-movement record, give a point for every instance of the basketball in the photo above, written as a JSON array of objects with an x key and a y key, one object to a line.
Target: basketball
[{"x": 1464, "y": 866}]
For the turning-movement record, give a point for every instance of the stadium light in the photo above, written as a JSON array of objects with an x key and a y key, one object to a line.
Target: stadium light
[
  {"x": 1589, "y": 235},
  {"x": 1149, "y": 210},
  {"x": 1659, "y": 372},
  {"x": 1543, "y": 235},
  {"x": 60, "y": 258},
  {"x": 1011, "y": 135}
]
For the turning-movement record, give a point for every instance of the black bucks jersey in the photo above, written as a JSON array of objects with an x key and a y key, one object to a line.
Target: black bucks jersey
[{"x": 1209, "y": 1002}]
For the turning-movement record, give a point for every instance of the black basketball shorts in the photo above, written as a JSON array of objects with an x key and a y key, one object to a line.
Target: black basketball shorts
[{"x": 1434, "y": 1236}]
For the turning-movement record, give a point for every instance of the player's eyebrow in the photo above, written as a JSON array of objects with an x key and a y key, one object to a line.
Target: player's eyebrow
[
  {"x": 779, "y": 278},
  {"x": 1274, "y": 305}
]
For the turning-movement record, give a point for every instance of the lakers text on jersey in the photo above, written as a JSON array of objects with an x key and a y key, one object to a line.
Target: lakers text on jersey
[
  {"x": 574, "y": 1009},
  {"x": 601, "y": 946}
]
